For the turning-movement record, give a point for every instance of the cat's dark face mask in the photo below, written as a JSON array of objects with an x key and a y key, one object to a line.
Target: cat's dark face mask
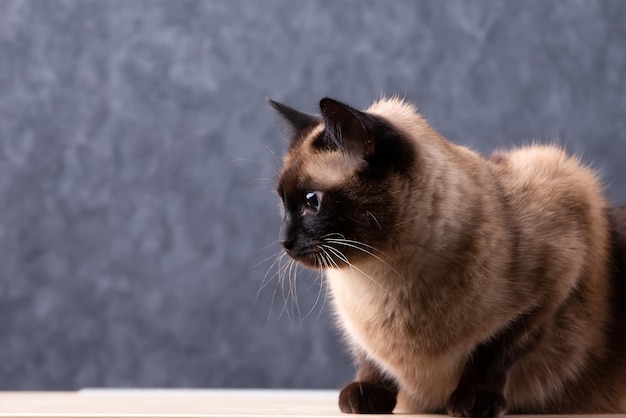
[
  {"x": 304, "y": 228},
  {"x": 316, "y": 213},
  {"x": 323, "y": 229},
  {"x": 337, "y": 205}
]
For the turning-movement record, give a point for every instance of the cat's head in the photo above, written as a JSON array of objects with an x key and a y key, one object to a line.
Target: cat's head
[{"x": 342, "y": 183}]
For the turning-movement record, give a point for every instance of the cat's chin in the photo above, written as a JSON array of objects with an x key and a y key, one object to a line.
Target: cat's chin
[
  {"x": 311, "y": 259},
  {"x": 316, "y": 260}
]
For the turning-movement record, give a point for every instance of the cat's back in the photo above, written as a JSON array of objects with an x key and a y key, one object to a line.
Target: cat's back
[
  {"x": 551, "y": 191},
  {"x": 547, "y": 170}
]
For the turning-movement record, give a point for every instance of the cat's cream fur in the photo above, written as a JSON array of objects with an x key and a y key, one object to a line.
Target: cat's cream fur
[{"x": 531, "y": 228}]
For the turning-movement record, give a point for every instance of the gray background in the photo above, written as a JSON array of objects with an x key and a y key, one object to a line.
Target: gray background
[{"x": 137, "y": 158}]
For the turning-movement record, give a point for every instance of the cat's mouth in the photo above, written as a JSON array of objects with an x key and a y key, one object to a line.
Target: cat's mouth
[
  {"x": 319, "y": 256},
  {"x": 310, "y": 257}
]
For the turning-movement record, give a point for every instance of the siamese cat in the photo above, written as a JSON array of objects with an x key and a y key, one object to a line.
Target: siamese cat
[{"x": 463, "y": 284}]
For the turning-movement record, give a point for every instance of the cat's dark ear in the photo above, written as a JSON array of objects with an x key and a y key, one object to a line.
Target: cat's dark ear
[
  {"x": 298, "y": 121},
  {"x": 349, "y": 129}
]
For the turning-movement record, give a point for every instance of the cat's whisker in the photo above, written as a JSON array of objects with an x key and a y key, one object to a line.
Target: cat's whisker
[
  {"x": 265, "y": 281},
  {"x": 328, "y": 259},
  {"x": 322, "y": 259},
  {"x": 259, "y": 179},
  {"x": 375, "y": 220},
  {"x": 343, "y": 258},
  {"x": 355, "y": 245},
  {"x": 283, "y": 277},
  {"x": 275, "y": 256},
  {"x": 325, "y": 296},
  {"x": 327, "y": 262},
  {"x": 359, "y": 246},
  {"x": 280, "y": 273},
  {"x": 333, "y": 234},
  {"x": 344, "y": 239},
  {"x": 268, "y": 245},
  {"x": 286, "y": 275},
  {"x": 289, "y": 297},
  {"x": 268, "y": 258},
  {"x": 320, "y": 262},
  {"x": 330, "y": 263},
  {"x": 250, "y": 160},
  {"x": 276, "y": 159},
  {"x": 293, "y": 290}
]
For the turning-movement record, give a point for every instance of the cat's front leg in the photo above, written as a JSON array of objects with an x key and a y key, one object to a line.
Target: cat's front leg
[
  {"x": 370, "y": 393},
  {"x": 477, "y": 402},
  {"x": 480, "y": 392}
]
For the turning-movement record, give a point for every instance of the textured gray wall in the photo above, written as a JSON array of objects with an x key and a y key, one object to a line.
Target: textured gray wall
[{"x": 137, "y": 157}]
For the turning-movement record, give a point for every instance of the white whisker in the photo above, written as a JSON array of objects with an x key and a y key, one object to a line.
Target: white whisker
[
  {"x": 328, "y": 262},
  {"x": 319, "y": 260},
  {"x": 352, "y": 267},
  {"x": 375, "y": 220},
  {"x": 290, "y": 298},
  {"x": 280, "y": 274},
  {"x": 265, "y": 280},
  {"x": 355, "y": 245},
  {"x": 266, "y": 259}
]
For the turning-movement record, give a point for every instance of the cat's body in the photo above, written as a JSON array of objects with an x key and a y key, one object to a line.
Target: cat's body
[{"x": 464, "y": 284}]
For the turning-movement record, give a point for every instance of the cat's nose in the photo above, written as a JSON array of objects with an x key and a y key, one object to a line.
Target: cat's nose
[{"x": 287, "y": 236}]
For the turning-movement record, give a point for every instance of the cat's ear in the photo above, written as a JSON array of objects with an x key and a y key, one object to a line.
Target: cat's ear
[
  {"x": 298, "y": 121},
  {"x": 349, "y": 129}
]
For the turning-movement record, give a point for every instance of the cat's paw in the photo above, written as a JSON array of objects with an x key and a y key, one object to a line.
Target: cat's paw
[
  {"x": 366, "y": 398},
  {"x": 476, "y": 403}
]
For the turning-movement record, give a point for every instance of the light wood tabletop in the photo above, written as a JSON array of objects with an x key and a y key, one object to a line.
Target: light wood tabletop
[{"x": 174, "y": 403}]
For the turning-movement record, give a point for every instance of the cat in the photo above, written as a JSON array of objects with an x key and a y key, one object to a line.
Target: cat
[{"x": 463, "y": 284}]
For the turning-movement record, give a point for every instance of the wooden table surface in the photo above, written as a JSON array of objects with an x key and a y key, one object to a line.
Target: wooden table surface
[{"x": 174, "y": 403}]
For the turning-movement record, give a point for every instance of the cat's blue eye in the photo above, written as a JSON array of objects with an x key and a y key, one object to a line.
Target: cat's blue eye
[{"x": 314, "y": 200}]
